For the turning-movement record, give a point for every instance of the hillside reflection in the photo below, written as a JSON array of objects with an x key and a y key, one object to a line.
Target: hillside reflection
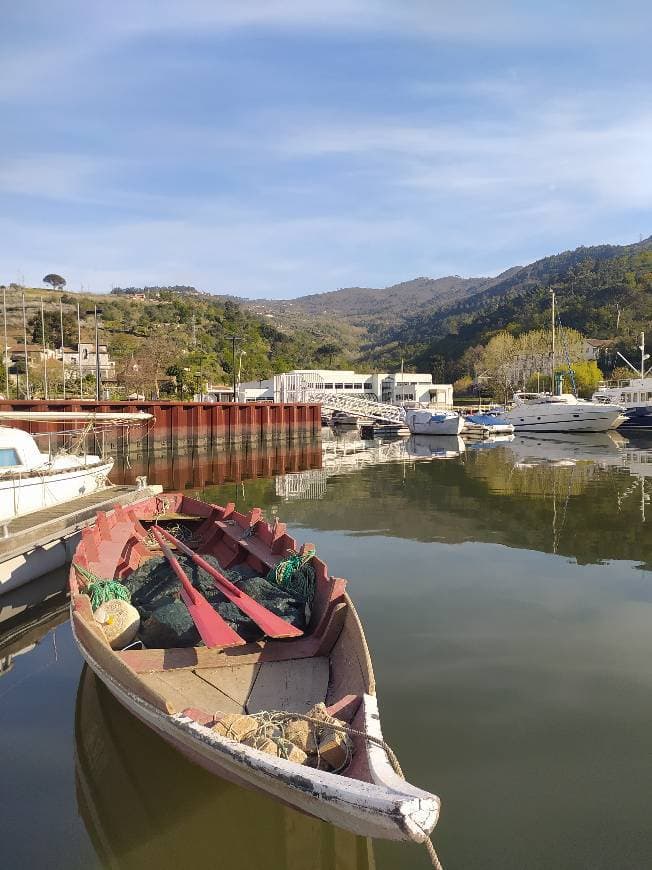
[{"x": 586, "y": 496}]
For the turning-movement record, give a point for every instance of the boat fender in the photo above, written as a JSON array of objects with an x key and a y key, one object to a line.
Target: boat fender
[{"x": 120, "y": 622}]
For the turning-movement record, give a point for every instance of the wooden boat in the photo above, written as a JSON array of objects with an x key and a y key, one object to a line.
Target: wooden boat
[{"x": 180, "y": 692}]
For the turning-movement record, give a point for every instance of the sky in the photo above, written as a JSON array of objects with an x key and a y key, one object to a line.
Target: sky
[{"x": 273, "y": 149}]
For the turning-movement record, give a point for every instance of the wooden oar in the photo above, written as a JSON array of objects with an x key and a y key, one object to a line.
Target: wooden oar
[
  {"x": 213, "y": 630},
  {"x": 271, "y": 624}
]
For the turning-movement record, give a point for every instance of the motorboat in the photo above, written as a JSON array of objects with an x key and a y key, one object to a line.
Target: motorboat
[
  {"x": 424, "y": 421},
  {"x": 543, "y": 412},
  {"x": 31, "y": 480},
  {"x": 634, "y": 394},
  {"x": 186, "y": 692}
]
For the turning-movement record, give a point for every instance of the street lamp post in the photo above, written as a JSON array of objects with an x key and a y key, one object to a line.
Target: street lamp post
[{"x": 233, "y": 339}]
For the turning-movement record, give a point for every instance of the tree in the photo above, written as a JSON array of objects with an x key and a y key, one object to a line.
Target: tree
[
  {"x": 54, "y": 280},
  {"x": 52, "y": 320},
  {"x": 329, "y": 349},
  {"x": 587, "y": 377}
]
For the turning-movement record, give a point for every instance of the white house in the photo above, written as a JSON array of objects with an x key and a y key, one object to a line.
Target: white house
[
  {"x": 390, "y": 388},
  {"x": 85, "y": 354}
]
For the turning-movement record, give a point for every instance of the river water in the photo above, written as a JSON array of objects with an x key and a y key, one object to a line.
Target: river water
[{"x": 506, "y": 593}]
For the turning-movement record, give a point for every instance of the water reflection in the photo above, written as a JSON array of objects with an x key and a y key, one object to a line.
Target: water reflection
[
  {"x": 583, "y": 496},
  {"x": 28, "y": 615},
  {"x": 145, "y": 806},
  {"x": 197, "y": 469}
]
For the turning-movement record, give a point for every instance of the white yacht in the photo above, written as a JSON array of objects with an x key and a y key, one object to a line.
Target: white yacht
[
  {"x": 31, "y": 480},
  {"x": 424, "y": 421},
  {"x": 635, "y": 394},
  {"x": 542, "y": 412}
]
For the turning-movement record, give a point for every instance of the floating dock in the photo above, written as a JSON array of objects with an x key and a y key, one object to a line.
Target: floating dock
[{"x": 36, "y": 543}]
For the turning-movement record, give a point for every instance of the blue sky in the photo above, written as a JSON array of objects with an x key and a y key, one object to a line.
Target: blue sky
[{"x": 281, "y": 148}]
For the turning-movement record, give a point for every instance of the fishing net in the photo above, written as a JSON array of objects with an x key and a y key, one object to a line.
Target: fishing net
[{"x": 166, "y": 622}]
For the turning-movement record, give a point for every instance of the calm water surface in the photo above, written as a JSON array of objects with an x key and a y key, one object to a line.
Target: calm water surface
[{"x": 506, "y": 593}]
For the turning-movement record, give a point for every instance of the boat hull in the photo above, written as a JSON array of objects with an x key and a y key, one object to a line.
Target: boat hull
[
  {"x": 31, "y": 491},
  {"x": 563, "y": 418},
  {"x": 638, "y": 418},
  {"x": 420, "y": 423},
  {"x": 363, "y": 808}
]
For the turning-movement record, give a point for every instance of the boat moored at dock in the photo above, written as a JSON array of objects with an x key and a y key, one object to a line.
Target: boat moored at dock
[
  {"x": 542, "y": 412},
  {"x": 425, "y": 421}
]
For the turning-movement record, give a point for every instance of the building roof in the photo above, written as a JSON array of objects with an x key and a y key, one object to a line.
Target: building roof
[{"x": 600, "y": 342}]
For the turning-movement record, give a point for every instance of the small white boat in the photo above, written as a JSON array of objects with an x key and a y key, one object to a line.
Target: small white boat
[
  {"x": 424, "y": 421},
  {"x": 491, "y": 421},
  {"x": 542, "y": 412},
  {"x": 31, "y": 481}
]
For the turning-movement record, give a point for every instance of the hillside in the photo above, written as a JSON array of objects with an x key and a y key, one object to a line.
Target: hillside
[
  {"x": 593, "y": 284},
  {"x": 173, "y": 339},
  {"x": 166, "y": 345}
]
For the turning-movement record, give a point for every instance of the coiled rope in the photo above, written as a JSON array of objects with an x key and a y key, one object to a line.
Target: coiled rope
[
  {"x": 280, "y": 715},
  {"x": 100, "y": 590}
]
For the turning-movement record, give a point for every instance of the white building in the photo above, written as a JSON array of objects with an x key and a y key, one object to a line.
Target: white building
[
  {"x": 390, "y": 388},
  {"x": 84, "y": 357}
]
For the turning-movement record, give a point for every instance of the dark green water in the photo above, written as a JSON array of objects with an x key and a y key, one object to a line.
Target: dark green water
[{"x": 507, "y": 598}]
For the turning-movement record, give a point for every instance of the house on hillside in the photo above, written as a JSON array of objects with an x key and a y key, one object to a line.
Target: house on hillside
[
  {"x": 597, "y": 348},
  {"x": 83, "y": 356},
  {"x": 35, "y": 353}
]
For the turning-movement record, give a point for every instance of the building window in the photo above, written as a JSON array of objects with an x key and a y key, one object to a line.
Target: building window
[
  {"x": 339, "y": 386},
  {"x": 328, "y": 386},
  {"x": 348, "y": 386},
  {"x": 369, "y": 387},
  {"x": 357, "y": 386}
]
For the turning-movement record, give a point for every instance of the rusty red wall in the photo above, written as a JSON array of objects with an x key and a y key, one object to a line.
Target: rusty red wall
[{"x": 185, "y": 422}]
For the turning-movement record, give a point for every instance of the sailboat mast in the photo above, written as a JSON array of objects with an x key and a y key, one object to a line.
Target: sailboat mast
[
  {"x": 63, "y": 356},
  {"x": 25, "y": 349},
  {"x": 45, "y": 353},
  {"x": 79, "y": 359},
  {"x": 97, "y": 360},
  {"x": 4, "y": 350},
  {"x": 552, "y": 381}
]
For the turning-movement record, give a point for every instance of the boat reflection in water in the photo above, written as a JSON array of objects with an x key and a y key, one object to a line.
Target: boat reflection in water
[
  {"x": 29, "y": 613},
  {"x": 145, "y": 806}
]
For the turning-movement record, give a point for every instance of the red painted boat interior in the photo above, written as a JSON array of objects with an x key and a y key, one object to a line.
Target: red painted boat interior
[{"x": 115, "y": 546}]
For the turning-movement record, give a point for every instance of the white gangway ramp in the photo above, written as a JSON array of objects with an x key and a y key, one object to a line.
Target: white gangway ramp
[{"x": 308, "y": 387}]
